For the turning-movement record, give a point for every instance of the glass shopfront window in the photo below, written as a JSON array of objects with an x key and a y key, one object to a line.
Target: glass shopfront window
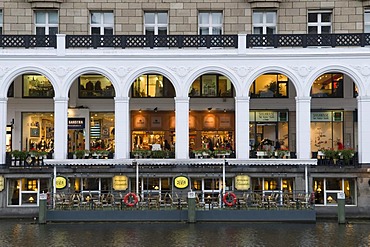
[
  {"x": 211, "y": 130},
  {"x": 153, "y": 130},
  {"x": 327, "y": 189},
  {"x": 102, "y": 130},
  {"x": 326, "y": 130},
  {"x": 95, "y": 86},
  {"x": 37, "y": 86},
  {"x": 328, "y": 86},
  {"x": 268, "y": 130},
  {"x": 270, "y": 86},
  {"x": 38, "y": 131},
  {"x": 148, "y": 86},
  {"x": 211, "y": 86},
  {"x": 25, "y": 191},
  {"x": 285, "y": 185}
]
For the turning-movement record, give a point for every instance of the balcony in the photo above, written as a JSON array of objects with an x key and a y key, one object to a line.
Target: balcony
[{"x": 63, "y": 42}]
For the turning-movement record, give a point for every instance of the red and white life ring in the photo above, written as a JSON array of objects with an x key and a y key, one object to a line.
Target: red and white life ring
[
  {"x": 229, "y": 199},
  {"x": 130, "y": 199}
]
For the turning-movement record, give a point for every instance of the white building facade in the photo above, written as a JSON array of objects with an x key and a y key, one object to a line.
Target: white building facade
[{"x": 216, "y": 89}]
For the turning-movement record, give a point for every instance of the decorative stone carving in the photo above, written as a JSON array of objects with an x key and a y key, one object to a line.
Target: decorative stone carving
[
  {"x": 364, "y": 70},
  {"x": 303, "y": 71},
  {"x": 181, "y": 71},
  {"x": 121, "y": 71},
  {"x": 3, "y": 70},
  {"x": 61, "y": 70},
  {"x": 242, "y": 71}
]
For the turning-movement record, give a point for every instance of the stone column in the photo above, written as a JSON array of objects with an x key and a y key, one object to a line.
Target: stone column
[
  {"x": 3, "y": 123},
  {"x": 182, "y": 128},
  {"x": 242, "y": 127},
  {"x": 122, "y": 127},
  {"x": 60, "y": 128},
  {"x": 303, "y": 115},
  {"x": 363, "y": 129}
]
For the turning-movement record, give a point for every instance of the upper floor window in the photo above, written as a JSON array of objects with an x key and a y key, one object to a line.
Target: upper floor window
[
  {"x": 328, "y": 85},
  {"x": 155, "y": 23},
  {"x": 102, "y": 23},
  {"x": 46, "y": 22},
  {"x": 319, "y": 22},
  {"x": 270, "y": 86},
  {"x": 1, "y": 21},
  {"x": 37, "y": 86},
  {"x": 152, "y": 86},
  {"x": 264, "y": 22},
  {"x": 95, "y": 86},
  {"x": 367, "y": 21},
  {"x": 211, "y": 86},
  {"x": 210, "y": 23}
]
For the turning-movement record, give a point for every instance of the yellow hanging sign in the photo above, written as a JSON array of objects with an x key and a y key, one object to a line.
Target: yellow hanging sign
[
  {"x": 120, "y": 182},
  {"x": 60, "y": 182},
  {"x": 242, "y": 182},
  {"x": 181, "y": 182}
]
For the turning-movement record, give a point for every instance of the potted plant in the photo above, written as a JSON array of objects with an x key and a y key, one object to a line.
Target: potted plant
[
  {"x": 282, "y": 153},
  {"x": 331, "y": 154},
  {"x": 346, "y": 155},
  {"x": 80, "y": 154},
  {"x": 34, "y": 153}
]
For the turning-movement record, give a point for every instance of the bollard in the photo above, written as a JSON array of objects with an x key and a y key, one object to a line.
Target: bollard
[
  {"x": 42, "y": 208},
  {"x": 341, "y": 208},
  {"x": 191, "y": 207}
]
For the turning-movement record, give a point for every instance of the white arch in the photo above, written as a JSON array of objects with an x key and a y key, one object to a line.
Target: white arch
[
  {"x": 72, "y": 76},
  {"x": 13, "y": 74},
  {"x": 272, "y": 69},
  {"x": 335, "y": 68},
  {"x": 219, "y": 69},
  {"x": 129, "y": 80}
]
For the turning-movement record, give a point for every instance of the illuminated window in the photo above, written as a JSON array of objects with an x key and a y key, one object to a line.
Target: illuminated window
[
  {"x": 270, "y": 86},
  {"x": 211, "y": 86},
  {"x": 95, "y": 86},
  {"x": 326, "y": 190},
  {"x": 156, "y": 86},
  {"x": 37, "y": 86},
  {"x": 26, "y": 191},
  {"x": 328, "y": 86}
]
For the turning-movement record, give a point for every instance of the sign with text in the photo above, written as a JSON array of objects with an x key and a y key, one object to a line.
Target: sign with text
[
  {"x": 242, "y": 182},
  {"x": 266, "y": 116},
  {"x": 120, "y": 182},
  {"x": 181, "y": 182},
  {"x": 321, "y": 116},
  {"x": 76, "y": 123},
  {"x": 60, "y": 182}
]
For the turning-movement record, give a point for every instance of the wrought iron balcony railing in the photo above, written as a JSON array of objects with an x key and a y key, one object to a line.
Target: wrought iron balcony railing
[
  {"x": 142, "y": 41},
  {"x": 242, "y": 41}
]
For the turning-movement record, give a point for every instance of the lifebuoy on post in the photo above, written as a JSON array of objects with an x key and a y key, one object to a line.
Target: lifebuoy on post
[
  {"x": 229, "y": 199},
  {"x": 130, "y": 199}
]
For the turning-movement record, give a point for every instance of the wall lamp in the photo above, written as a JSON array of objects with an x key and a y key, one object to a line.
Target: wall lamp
[
  {"x": 209, "y": 109},
  {"x": 156, "y": 109}
]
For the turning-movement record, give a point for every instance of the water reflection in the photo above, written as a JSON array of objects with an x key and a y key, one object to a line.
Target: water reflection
[{"x": 18, "y": 233}]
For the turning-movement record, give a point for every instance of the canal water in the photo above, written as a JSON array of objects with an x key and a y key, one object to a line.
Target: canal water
[{"x": 21, "y": 233}]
